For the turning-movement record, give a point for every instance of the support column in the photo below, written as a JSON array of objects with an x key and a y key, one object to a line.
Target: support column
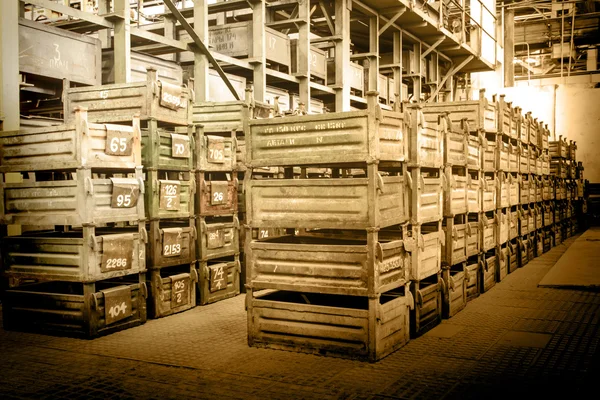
[
  {"x": 259, "y": 60},
  {"x": 122, "y": 42},
  {"x": 104, "y": 35},
  {"x": 342, "y": 54},
  {"x": 397, "y": 69},
  {"x": 303, "y": 53},
  {"x": 170, "y": 33},
  {"x": 509, "y": 47},
  {"x": 201, "y": 64},
  {"x": 9, "y": 67},
  {"x": 417, "y": 83},
  {"x": 374, "y": 49}
]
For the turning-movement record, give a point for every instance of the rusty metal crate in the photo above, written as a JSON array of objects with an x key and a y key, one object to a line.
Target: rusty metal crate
[
  {"x": 503, "y": 190},
  {"x": 171, "y": 242},
  {"x": 572, "y": 152},
  {"x": 539, "y": 165},
  {"x": 523, "y": 250},
  {"x": 547, "y": 189},
  {"x": 455, "y": 191},
  {"x": 523, "y": 159},
  {"x": 559, "y": 148},
  {"x": 424, "y": 242},
  {"x": 355, "y": 265},
  {"x": 513, "y": 158},
  {"x": 502, "y": 261},
  {"x": 488, "y": 270},
  {"x": 354, "y": 77},
  {"x": 524, "y": 183},
  {"x": 219, "y": 279},
  {"x": 472, "y": 237},
  {"x": 217, "y": 152},
  {"x": 545, "y": 164},
  {"x": 228, "y": 116},
  {"x": 167, "y": 149},
  {"x": 513, "y": 255},
  {"x": 426, "y": 138},
  {"x": 169, "y": 194},
  {"x": 534, "y": 131},
  {"x": 455, "y": 142},
  {"x": 82, "y": 198},
  {"x": 489, "y": 188},
  {"x": 524, "y": 214},
  {"x": 472, "y": 278},
  {"x": 502, "y": 154},
  {"x": 76, "y": 309},
  {"x": 333, "y": 138},
  {"x": 454, "y": 290},
  {"x": 216, "y": 193},
  {"x": 427, "y": 313},
  {"x": 515, "y": 128},
  {"x": 526, "y": 126},
  {"x": 82, "y": 255},
  {"x": 219, "y": 237},
  {"x": 544, "y": 137},
  {"x": 539, "y": 243},
  {"x": 454, "y": 246},
  {"x": 538, "y": 217},
  {"x": 474, "y": 152},
  {"x": 513, "y": 223},
  {"x": 503, "y": 225},
  {"x": 337, "y": 203},
  {"x": 513, "y": 190},
  {"x": 77, "y": 144},
  {"x": 560, "y": 189},
  {"x": 153, "y": 99},
  {"x": 317, "y": 59},
  {"x": 489, "y": 149},
  {"x": 333, "y": 325},
  {"x": 548, "y": 214},
  {"x": 478, "y": 115},
  {"x": 505, "y": 116},
  {"x": 548, "y": 239},
  {"x": 425, "y": 195},
  {"x": 172, "y": 290},
  {"x": 488, "y": 228},
  {"x": 532, "y": 160},
  {"x": 474, "y": 192}
]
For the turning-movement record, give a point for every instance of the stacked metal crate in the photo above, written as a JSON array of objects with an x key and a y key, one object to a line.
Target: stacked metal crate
[
  {"x": 478, "y": 121},
  {"x": 338, "y": 283},
  {"x": 559, "y": 169},
  {"x": 427, "y": 180},
  {"x": 169, "y": 184},
  {"x": 527, "y": 149},
  {"x": 79, "y": 195},
  {"x": 541, "y": 137}
]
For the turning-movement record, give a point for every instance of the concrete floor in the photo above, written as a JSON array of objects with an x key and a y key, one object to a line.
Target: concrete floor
[{"x": 516, "y": 340}]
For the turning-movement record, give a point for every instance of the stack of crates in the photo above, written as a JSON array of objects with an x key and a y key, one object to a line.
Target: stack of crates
[
  {"x": 548, "y": 195},
  {"x": 337, "y": 283},
  {"x": 427, "y": 182},
  {"x": 167, "y": 147},
  {"x": 560, "y": 170},
  {"x": 77, "y": 191},
  {"x": 538, "y": 176},
  {"x": 527, "y": 184}
]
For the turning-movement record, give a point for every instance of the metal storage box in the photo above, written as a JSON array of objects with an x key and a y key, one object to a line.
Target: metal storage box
[
  {"x": 472, "y": 238},
  {"x": 219, "y": 279},
  {"x": 337, "y": 203},
  {"x": 216, "y": 194},
  {"x": 334, "y": 265},
  {"x": 317, "y": 59},
  {"x": 218, "y": 237},
  {"x": 532, "y": 160},
  {"x": 346, "y": 326},
  {"x": 77, "y": 144},
  {"x": 424, "y": 242},
  {"x": 513, "y": 257},
  {"x": 488, "y": 196},
  {"x": 548, "y": 214},
  {"x": 357, "y": 136},
  {"x": 354, "y": 77},
  {"x": 455, "y": 192},
  {"x": 559, "y": 148},
  {"x": 503, "y": 192},
  {"x": 229, "y": 116},
  {"x": 502, "y": 261},
  {"x": 219, "y": 92},
  {"x": 171, "y": 242},
  {"x": 539, "y": 168},
  {"x": 534, "y": 131},
  {"x": 537, "y": 212},
  {"x": 526, "y": 123},
  {"x": 152, "y": 99},
  {"x": 524, "y": 191},
  {"x": 515, "y": 129},
  {"x": 505, "y": 116},
  {"x": 488, "y": 272},
  {"x": 455, "y": 295},
  {"x": 169, "y": 194},
  {"x": 455, "y": 147},
  {"x": 488, "y": 233},
  {"x": 545, "y": 164},
  {"x": 455, "y": 244},
  {"x": 513, "y": 193},
  {"x": 558, "y": 168},
  {"x": 523, "y": 251},
  {"x": 236, "y": 40},
  {"x": 70, "y": 308},
  {"x": 523, "y": 160},
  {"x": 172, "y": 290},
  {"x": 489, "y": 149},
  {"x": 547, "y": 189},
  {"x": 427, "y": 312},
  {"x": 472, "y": 279},
  {"x": 59, "y": 54},
  {"x": 426, "y": 139},
  {"x": 502, "y": 155},
  {"x": 167, "y": 71},
  {"x": 425, "y": 194},
  {"x": 86, "y": 255},
  {"x": 544, "y": 135},
  {"x": 513, "y": 223},
  {"x": 502, "y": 220},
  {"x": 479, "y": 114},
  {"x": 473, "y": 193},
  {"x": 513, "y": 158},
  {"x": 166, "y": 150},
  {"x": 216, "y": 153},
  {"x": 81, "y": 200}
]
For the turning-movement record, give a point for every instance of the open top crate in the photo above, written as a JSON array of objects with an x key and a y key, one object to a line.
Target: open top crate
[{"x": 167, "y": 149}]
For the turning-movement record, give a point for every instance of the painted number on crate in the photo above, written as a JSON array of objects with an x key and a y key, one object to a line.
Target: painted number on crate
[
  {"x": 117, "y": 304},
  {"x": 118, "y": 143},
  {"x": 218, "y": 278},
  {"x": 263, "y": 234},
  {"x": 117, "y": 253},
  {"x": 180, "y": 146},
  {"x": 118, "y": 309},
  {"x": 172, "y": 250},
  {"x": 215, "y": 239},
  {"x": 168, "y": 98},
  {"x": 170, "y": 195},
  {"x": 215, "y": 150},
  {"x": 179, "y": 291},
  {"x": 172, "y": 243},
  {"x": 125, "y": 194}
]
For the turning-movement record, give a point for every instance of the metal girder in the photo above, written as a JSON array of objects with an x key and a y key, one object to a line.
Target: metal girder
[
  {"x": 328, "y": 19},
  {"x": 433, "y": 47},
  {"x": 73, "y": 12},
  {"x": 201, "y": 46},
  {"x": 391, "y": 21},
  {"x": 449, "y": 75}
]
